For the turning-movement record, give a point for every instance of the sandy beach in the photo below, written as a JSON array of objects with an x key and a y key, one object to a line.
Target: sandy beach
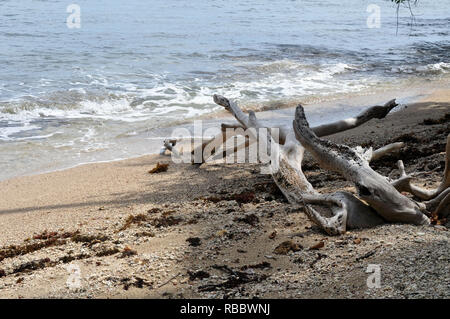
[{"x": 112, "y": 230}]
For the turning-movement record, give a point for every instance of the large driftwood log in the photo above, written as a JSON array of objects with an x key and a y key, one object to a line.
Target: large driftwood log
[
  {"x": 335, "y": 212},
  {"x": 372, "y": 187},
  {"x": 378, "y": 200}
]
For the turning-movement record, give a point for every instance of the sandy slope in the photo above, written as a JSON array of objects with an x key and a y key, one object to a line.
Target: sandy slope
[{"x": 85, "y": 209}]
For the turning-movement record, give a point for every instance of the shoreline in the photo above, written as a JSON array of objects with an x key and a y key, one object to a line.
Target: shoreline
[
  {"x": 133, "y": 234},
  {"x": 93, "y": 205},
  {"x": 352, "y": 105}
]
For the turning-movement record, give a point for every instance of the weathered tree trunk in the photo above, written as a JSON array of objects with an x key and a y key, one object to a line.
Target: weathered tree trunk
[
  {"x": 378, "y": 200},
  {"x": 372, "y": 187},
  {"x": 334, "y": 212}
]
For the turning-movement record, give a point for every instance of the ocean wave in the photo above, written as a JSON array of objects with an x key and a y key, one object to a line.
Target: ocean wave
[
  {"x": 130, "y": 103},
  {"x": 8, "y": 130},
  {"x": 432, "y": 69}
]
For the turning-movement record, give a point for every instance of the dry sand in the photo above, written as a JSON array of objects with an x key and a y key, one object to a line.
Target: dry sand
[{"x": 184, "y": 233}]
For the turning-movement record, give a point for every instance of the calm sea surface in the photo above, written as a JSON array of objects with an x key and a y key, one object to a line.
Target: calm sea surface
[{"x": 134, "y": 68}]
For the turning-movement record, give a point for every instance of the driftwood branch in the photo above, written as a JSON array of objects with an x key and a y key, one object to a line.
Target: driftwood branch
[
  {"x": 403, "y": 184},
  {"x": 378, "y": 199},
  {"x": 390, "y": 148},
  {"x": 323, "y": 130},
  {"x": 377, "y": 112},
  {"x": 372, "y": 187},
  {"x": 334, "y": 212}
]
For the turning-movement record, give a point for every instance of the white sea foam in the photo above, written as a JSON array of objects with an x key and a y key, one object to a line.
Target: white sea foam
[
  {"x": 434, "y": 68},
  {"x": 168, "y": 102},
  {"x": 6, "y": 133}
]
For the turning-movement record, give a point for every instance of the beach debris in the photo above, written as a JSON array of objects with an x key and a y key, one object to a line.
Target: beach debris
[
  {"x": 221, "y": 233},
  {"x": 43, "y": 263},
  {"x": 33, "y": 265},
  {"x": 382, "y": 195},
  {"x": 154, "y": 210},
  {"x": 168, "y": 146},
  {"x": 261, "y": 265},
  {"x": 438, "y": 220},
  {"x": 442, "y": 120},
  {"x": 134, "y": 219},
  {"x": 366, "y": 255},
  {"x": 241, "y": 198},
  {"x": 194, "y": 241},
  {"x": 166, "y": 221},
  {"x": 200, "y": 274},
  {"x": 69, "y": 258},
  {"x": 235, "y": 279},
  {"x": 127, "y": 282},
  {"x": 89, "y": 239},
  {"x": 19, "y": 250},
  {"x": 170, "y": 280},
  {"x": 107, "y": 252},
  {"x": 46, "y": 235},
  {"x": 273, "y": 234},
  {"x": 317, "y": 246},
  {"x": 145, "y": 234},
  {"x": 285, "y": 247},
  {"x": 138, "y": 283},
  {"x": 128, "y": 252},
  {"x": 159, "y": 168}
]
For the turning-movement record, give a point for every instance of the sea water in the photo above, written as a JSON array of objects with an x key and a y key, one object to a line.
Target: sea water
[{"x": 114, "y": 85}]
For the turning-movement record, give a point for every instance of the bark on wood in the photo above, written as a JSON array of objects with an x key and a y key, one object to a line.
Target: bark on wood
[
  {"x": 378, "y": 200},
  {"x": 372, "y": 187},
  {"x": 403, "y": 184},
  {"x": 377, "y": 112},
  {"x": 334, "y": 212},
  {"x": 322, "y": 130}
]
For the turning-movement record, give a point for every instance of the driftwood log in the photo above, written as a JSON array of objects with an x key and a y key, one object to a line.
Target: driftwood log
[{"x": 378, "y": 199}]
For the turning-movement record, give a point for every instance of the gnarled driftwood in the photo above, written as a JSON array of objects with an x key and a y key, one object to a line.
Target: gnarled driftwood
[{"x": 378, "y": 199}]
